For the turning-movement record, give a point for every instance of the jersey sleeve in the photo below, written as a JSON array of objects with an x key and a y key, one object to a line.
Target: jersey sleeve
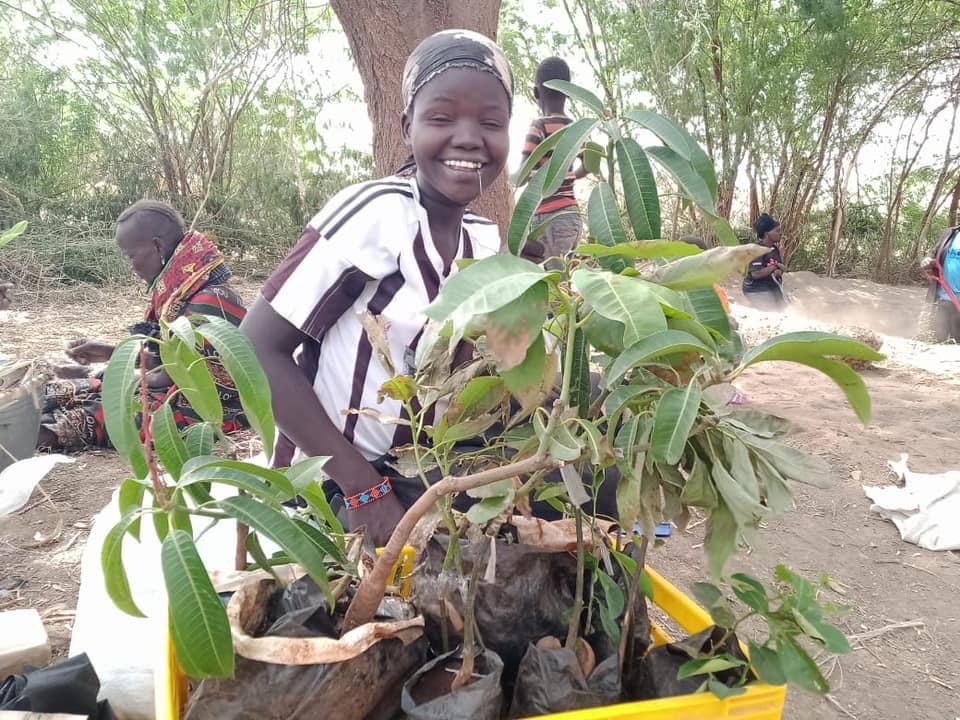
[
  {"x": 351, "y": 242},
  {"x": 534, "y": 138}
]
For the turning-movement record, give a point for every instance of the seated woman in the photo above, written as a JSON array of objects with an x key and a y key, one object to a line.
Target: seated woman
[
  {"x": 186, "y": 275},
  {"x": 942, "y": 268},
  {"x": 763, "y": 283}
]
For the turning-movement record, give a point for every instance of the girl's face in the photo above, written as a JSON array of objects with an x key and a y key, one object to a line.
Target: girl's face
[{"x": 458, "y": 131}]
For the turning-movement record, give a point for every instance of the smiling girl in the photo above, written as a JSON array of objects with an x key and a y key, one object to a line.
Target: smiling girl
[{"x": 384, "y": 247}]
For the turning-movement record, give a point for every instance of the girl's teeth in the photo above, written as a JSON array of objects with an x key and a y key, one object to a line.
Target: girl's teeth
[{"x": 465, "y": 164}]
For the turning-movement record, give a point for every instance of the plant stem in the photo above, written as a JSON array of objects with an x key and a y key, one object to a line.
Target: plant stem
[
  {"x": 568, "y": 356},
  {"x": 574, "y": 627},
  {"x": 364, "y": 605},
  {"x": 146, "y": 423},
  {"x": 470, "y": 621}
]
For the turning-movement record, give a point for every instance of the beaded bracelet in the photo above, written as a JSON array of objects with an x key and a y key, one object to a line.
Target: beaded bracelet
[{"x": 370, "y": 495}]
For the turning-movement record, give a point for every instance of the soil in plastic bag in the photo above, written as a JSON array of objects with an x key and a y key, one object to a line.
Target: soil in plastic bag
[
  {"x": 550, "y": 680},
  {"x": 68, "y": 687},
  {"x": 658, "y": 671},
  {"x": 427, "y": 696},
  {"x": 368, "y": 686},
  {"x": 530, "y": 599}
]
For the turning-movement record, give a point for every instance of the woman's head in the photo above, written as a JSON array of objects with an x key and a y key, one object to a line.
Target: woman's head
[
  {"x": 458, "y": 96},
  {"x": 768, "y": 230},
  {"x": 147, "y": 233}
]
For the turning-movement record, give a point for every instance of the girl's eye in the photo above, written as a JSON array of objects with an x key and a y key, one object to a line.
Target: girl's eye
[{"x": 495, "y": 124}]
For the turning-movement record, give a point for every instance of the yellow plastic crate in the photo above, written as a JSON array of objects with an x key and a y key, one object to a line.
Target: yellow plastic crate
[{"x": 759, "y": 702}]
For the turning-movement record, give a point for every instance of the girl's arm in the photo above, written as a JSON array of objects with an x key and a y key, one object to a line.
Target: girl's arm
[{"x": 302, "y": 418}]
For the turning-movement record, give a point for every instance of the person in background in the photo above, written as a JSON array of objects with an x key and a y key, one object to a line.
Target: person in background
[
  {"x": 186, "y": 275},
  {"x": 560, "y": 209},
  {"x": 763, "y": 283},
  {"x": 384, "y": 247},
  {"x": 942, "y": 267}
]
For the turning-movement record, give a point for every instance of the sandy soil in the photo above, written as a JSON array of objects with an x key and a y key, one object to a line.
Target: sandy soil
[{"x": 899, "y": 673}]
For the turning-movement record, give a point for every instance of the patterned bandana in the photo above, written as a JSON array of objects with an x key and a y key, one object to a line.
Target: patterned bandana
[
  {"x": 189, "y": 268},
  {"x": 450, "y": 49}
]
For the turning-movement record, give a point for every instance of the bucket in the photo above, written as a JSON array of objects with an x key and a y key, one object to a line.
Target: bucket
[{"x": 21, "y": 396}]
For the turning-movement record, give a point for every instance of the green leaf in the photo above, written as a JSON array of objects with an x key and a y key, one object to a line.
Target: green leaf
[
  {"x": 708, "y": 310},
  {"x": 774, "y": 488},
  {"x": 564, "y": 445},
  {"x": 290, "y": 536},
  {"x": 789, "y": 462},
  {"x": 624, "y": 395},
  {"x": 699, "y": 490},
  {"x": 260, "y": 558},
  {"x": 799, "y": 668},
  {"x": 750, "y": 591},
  {"x": 622, "y": 299},
  {"x": 592, "y": 156},
  {"x": 111, "y": 560},
  {"x": 847, "y": 379},
  {"x": 681, "y": 142},
  {"x": 189, "y": 372},
  {"x": 581, "y": 389},
  {"x": 129, "y": 499},
  {"x": 746, "y": 509},
  {"x": 673, "y": 421},
  {"x": 689, "y": 181},
  {"x": 523, "y": 212},
  {"x": 487, "y": 285},
  {"x": 741, "y": 466},
  {"x": 603, "y": 334},
  {"x": 704, "y": 666},
  {"x": 807, "y": 343},
  {"x": 720, "y": 542},
  {"x": 724, "y": 691},
  {"x": 639, "y": 189},
  {"x": 512, "y": 328},
  {"x": 530, "y": 164},
  {"x": 603, "y": 218},
  {"x": 169, "y": 446},
  {"x": 316, "y": 499},
  {"x": 767, "y": 664},
  {"x": 198, "y": 619},
  {"x": 575, "y": 92},
  {"x": 119, "y": 380},
  {"x": 530, "y": 372},
  {"x": 488, "y": 508},
  {"x": 705, "y": 269},
  {"x": 631, "y": 441},
  {"x": 566, "y": 152},
  {"x": 707, "y": 594},
  {"x": 605, "y": 224},
  {"x": 214, "y": 469},
  {"x": 647, "y": 249},
  {"x": 236, "y": 353},
  {"x": 13, "y": 233},
  {"x": 665, "y": 342},
  {"x": 306, "y": 471},
  {"x": 199, "y": 439},
  {"x": 182, "y": 328},
  {"x": 646, "y": 584}
]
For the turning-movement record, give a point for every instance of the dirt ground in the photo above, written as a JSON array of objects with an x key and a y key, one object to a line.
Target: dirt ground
[{"x": 903, "y": 615}]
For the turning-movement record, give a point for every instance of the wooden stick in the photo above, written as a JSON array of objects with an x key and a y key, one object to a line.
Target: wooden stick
[{"x": 871, "y": 634}]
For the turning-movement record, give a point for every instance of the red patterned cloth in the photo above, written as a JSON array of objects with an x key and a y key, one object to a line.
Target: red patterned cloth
[{"x": 188, "y": 269}]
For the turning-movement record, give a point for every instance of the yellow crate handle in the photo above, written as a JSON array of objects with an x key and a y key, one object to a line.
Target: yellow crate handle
[{"x": 400, "y": 580}]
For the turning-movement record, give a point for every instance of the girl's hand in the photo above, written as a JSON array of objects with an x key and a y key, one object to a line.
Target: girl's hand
[{"x": 379, "y": 518}]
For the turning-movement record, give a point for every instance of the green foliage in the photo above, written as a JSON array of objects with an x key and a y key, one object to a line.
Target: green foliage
[
  {"x": 198, "y": 487},
  {"x": 791, "y": 611}
]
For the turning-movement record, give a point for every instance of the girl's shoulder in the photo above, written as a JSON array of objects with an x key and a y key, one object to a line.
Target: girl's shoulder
[
  {"x": 367, "y": 206},
  {"x": 484, "y": 233}
]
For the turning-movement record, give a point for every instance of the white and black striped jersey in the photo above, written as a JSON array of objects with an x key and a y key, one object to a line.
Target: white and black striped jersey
[{"x": 369, "y": 249}]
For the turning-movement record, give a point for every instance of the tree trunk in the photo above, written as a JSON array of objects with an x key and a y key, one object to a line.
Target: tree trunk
[
  {"x": 382, "y": 34},
  {"x": 953, "y": 217}
]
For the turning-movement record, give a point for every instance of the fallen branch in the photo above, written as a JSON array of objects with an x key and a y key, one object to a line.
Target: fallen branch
[
  {"x": 830, "y": 699},
  {"x": 871, "y": 634},
  {"x": 364, "y": 606}
]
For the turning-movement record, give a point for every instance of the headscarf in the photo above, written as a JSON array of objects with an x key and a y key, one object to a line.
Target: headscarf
[
  {"x": 450, "y": 49},
  {"x": 764, "y": 224}
]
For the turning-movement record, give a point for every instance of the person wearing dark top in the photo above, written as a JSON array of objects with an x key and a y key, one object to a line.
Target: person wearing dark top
[
  {"x": 763, "y": 283},
  {"x": 560, "y": 209}
]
